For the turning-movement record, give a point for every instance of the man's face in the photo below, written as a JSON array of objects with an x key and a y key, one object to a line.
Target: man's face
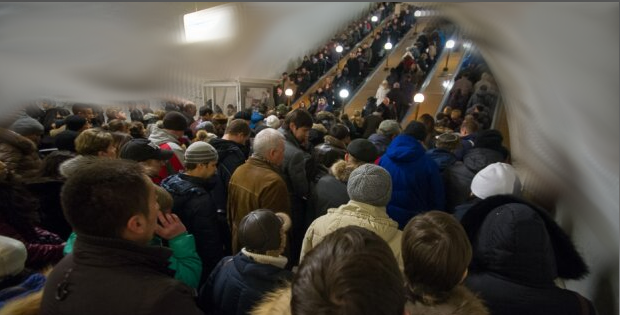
[
  {"x": 278, "y": 155},
  {"x": 109, "y": 153},
  {"x": 301, "y": 134}
]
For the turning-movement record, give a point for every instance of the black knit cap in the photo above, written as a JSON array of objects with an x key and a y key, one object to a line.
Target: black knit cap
[
  {"x": 363, "y": 150},
  {"x": 75, "y": 122},
  {"x": 491, "y": 139},
  {"x": 416, "y": 129},
  {"x": 175, "y": 121}
]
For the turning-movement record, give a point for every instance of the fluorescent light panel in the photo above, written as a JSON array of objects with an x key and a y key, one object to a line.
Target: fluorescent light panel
[{"x": 210, "y": 24}]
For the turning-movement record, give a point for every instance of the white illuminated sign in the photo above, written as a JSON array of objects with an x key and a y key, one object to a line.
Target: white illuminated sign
[{"x": 210, "y": 24}]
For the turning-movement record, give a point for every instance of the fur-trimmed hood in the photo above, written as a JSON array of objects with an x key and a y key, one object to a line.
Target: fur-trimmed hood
[
  {"x": 461, "y": 302},
  {"x": 342, "y": 170},
  {"x": 277, "y": 302},
  {"x": 18, "y": 141},
  {"x": 520, "y": 241}
]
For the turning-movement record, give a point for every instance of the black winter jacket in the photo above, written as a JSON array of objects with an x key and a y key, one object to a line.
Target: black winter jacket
[
  {"x": 518, "y": 251},
  {"x": 230, "y": 155},
  {"x": 195, "y": 206},
  {"x": 457, "y": 177}
]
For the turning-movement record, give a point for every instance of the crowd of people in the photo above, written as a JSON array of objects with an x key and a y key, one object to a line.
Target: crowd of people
[{"x": 186, "y": 210}]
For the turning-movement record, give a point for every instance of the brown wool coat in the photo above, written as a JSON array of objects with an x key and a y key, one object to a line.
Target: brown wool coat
[{"x": 255, "y": 185}]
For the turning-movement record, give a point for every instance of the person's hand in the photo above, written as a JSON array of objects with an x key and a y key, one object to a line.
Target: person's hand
[{"x": 170, "y": 226}]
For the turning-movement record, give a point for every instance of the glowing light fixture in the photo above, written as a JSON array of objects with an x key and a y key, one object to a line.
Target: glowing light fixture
[
  {"x": 417, "y": 13},
  {"x": 339, "y": 49},
  {"x": 344, "y": 93},
  {"x": 374, "y": 19},
  {"x": 288, "y": 92},
  {"x": 418, "y": 98},
  {"x": 211, "y": 24}
]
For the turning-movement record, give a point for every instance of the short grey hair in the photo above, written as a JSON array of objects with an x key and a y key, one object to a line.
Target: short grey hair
[{"x": 266, "y": 140}]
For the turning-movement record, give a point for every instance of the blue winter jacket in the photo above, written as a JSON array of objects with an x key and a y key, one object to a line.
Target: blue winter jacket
[
  {"x": 416, "y": 183},
  {"x": 238, "y": 283}
]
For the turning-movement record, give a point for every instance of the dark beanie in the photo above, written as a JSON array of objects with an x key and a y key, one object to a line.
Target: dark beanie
[
  {"x": 363, "y": 150},
  {"x": 243, "y": 115},
  {"x": 491, "y": 139},
  {"x": 175, "y": 121},
  {"x": 417, "y": 130},
  {"x": 75, "y": 122}
]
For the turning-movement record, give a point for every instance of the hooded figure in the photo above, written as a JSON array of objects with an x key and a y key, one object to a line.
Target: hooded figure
[
  {"x": 518, "y": 252},
  {"x": 417, "y": 184}
]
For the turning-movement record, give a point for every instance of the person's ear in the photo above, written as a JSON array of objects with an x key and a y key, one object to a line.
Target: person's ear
[
  {"x": 464, "y": 275},
  {"x": 136, "y": 225}
]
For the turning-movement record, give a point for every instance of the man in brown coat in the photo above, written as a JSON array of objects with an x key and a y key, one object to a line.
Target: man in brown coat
[{"x": 257, "y": 184}]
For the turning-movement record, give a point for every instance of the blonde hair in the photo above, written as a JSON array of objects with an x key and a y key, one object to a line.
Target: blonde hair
[{"x": 91, "y": 141}]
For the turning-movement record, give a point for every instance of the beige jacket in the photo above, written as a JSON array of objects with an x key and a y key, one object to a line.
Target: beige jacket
[{"x": 359, "y": 214}]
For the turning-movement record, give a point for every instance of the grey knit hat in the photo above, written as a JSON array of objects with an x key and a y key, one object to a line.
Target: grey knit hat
[
  {"x": 200, "y": 152},
  {"x": 27, "y": 126},
  {"x": 370, "y": 184}
]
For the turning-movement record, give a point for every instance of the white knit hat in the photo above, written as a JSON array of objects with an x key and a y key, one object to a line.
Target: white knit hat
[
  {"x": 496, "y": 179},
  {"x": 272, "y": 122},
  {"x": 12, "y": 256}
]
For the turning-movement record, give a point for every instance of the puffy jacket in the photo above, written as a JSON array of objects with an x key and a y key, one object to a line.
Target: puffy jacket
[
  {"x": 359, "y": 214},
  {"x": 230, "y": 155},
  {"x": 518, "y": 251},
  {"x": 442, "y": 157},
  {"x": 114, "y": 276},
  {"x": 19, "y": 154},
  {"x": 44, "y": 248},
  {"x": 194, "y": 205},
  {"x": 238, "y": 283},
  {"x": 184, "y": 261},
  {"x": 458, "y": 177},
  {"x": 416, "y": 183}
]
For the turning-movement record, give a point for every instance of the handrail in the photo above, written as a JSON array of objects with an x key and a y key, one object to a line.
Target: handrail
[{"x": 332, "y": 71}]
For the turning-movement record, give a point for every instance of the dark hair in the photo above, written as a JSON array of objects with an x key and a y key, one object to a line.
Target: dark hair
[
  {"x": 49, "y": 167},
  {"x": 428, "y": 121},
  {"x": 115, "y": 125},
  {"x": 95, "y": 199},
  {"x": 416, "y": 129},
  {"x": 136, "y": 129},
  {"x": 339, "y": 131},
  {"x": 352, "y": 271},
  {"x": 204, "y": 110},
  {"x": 436, "y": 253},
  {"x": 238, "y": 126},
  {"x": 300, "y": 117},
  {"x": 79, "y": 107}
]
